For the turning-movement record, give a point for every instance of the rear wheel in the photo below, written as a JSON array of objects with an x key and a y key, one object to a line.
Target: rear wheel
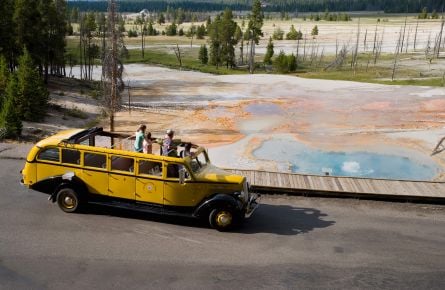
[
  {"x": 222, "y": 219},
  {"x": 68, "y": 200}
]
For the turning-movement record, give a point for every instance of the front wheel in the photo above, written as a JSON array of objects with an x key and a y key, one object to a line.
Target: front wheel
[
  {"x": 222, "y": 219},
  {"x": 68, "y": 200}
]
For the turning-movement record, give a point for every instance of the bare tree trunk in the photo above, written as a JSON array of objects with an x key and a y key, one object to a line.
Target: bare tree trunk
[
  {"x": 241, "y": 51},
  {"x": 129, "y": 97},
  {"x": 396, "y": 56},
  {"x": 304, "y": 49},
  {"x": 247, "y": 51},
  {"x": 178, "y": 55},
  {"x": 355, "y": 57},
  {"x": 440, "y": 36},
  {"x": 336, "y": 47},
  {"x": 407, "y": 40},
  {"x": 379, "y": 47},
  {"x": 321, "y": 58},
  {"x": 142, "y": 41},
  {"x": 415, "y": 35},
  {"x": 403, "y": 37},
  {"x": 80, "y": 48},
  {"x": 365, "y": 46},
  {"x": 252, "y": 55},
  {"x": 375, "y": 41},
  {"x": 298, "y": 48}
]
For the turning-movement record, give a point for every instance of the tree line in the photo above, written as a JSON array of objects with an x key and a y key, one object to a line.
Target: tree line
[
  {"x": 38, "y": 26},
  {"x": 389, "y": 6},
  {"x": 32, "y": 47}
]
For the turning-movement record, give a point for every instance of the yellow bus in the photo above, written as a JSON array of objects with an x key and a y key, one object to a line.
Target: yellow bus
[{"x": 79, "y": 166}]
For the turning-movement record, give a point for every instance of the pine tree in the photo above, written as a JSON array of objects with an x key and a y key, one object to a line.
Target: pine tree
[
  {"x": 203, "y": 54},
  {"x": 200, "y": 32},
  {"x": 293, "y": 34},
  {"x": 228, "y": 40},
  {"x": 278, "y": 34},
  {"x": 8, "y": 32},
  {"x": 423, "y": 14},
  {"x": 269, "y": 52},
  {"x": 314, "y": 31},
  {"x": 9, "y": 116},
  {"x": 161, "y": 19},
  {"x": 214, "y": 31},
  {"x": 292, "y": 62},
  {"x": 32, "y": 93},
  {"x": 254, "y": 27},
  {"x": 280, "y": 63},
  {"x": 4, "y": 75}
]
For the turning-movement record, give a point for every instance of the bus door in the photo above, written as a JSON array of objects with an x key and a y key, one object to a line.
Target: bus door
[
  {"x": 121, "y": 179},
  {"x": 149, "y": 182},
  {"x": 186, "y": 194}
]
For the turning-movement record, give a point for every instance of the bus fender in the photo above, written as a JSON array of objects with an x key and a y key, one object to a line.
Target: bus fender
[
  {"x": 217, "y": 200},
  {"x": 69, "y": 179}
]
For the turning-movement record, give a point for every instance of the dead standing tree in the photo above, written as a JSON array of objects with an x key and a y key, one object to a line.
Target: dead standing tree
[
  {"x": 354, "y": 61},
  {"x": 112, "y": 83},
  {"x": 402, "y": 42},
  {"x": 339, "y": 60},
  {"x": 378, "y": 49},
  {"x": 396, "y": 55},
  {"x": 440, "y": 36},
  {"x": 178, "y": 55},
  {"x": 415, "y": 35}
]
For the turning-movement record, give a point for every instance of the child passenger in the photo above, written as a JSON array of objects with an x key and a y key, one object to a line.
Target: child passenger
[{"x": 147, "y": 144}]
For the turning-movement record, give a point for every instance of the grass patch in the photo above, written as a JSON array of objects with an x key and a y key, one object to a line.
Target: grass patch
[
  {"x": 92, "y": 123},
  {"x": 380, "y": 73},
  {"x": 189, "y": 61},
  {"x": 76, "y": 113},
  {"x": 433, "y": 82}
]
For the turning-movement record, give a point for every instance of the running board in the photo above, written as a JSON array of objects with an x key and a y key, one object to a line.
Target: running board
[{"x": 141, "y": 207}]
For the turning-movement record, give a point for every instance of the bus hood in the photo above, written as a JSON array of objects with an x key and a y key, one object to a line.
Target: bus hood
[{"x": 211, "y": 173}]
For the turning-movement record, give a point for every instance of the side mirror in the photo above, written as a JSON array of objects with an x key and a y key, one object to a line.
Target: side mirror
[{"x": 182, "y": 176}]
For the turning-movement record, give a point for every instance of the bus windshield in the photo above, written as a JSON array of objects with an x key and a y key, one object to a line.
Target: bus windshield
[{"x": 198, "y": 162}]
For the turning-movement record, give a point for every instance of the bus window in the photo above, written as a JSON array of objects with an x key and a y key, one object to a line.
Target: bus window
[
  {"x": 49, "y": 154},
  {"x": 172, "y": 170},
  {"x": 150, "y": 168},
  {"x": 122, "y": 163},
  {"x": 70, "y": 156},
  {"x": 95, "y": 160}
]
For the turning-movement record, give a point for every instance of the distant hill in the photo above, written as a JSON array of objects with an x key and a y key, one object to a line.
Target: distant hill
[{"x": 390, "y": 6}]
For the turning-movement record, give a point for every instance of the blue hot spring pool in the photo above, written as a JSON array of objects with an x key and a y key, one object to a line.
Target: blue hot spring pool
[{"x": 300, "y": 158}]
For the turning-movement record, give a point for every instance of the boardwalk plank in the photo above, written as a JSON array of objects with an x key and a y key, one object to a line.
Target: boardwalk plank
[{"x": 342, "y": 184}]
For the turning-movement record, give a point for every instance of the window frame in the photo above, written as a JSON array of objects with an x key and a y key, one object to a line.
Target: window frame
[
  {"x": 144, "y": 175},
  {"x": 71, "y": 164},
  {"x": 83, "y": 153},
  {"x": 190, "y": 173},
  {"x": 49, "y": 161},
  {"x": 111, "y": 170}
]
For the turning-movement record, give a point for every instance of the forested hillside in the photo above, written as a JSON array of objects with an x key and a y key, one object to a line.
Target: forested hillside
[{"x": 390, "y": 6}]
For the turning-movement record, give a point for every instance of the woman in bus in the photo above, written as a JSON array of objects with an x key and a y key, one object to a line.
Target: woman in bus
[{"x": 140, "y": 135}]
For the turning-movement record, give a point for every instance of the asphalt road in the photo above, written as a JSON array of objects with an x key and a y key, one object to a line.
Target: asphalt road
[{"x": 289, "y": 243}]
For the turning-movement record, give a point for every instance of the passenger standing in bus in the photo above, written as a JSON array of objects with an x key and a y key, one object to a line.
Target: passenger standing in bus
[
  {"x": 168, "y": 149},
  {"x": 186, "y": 152},
  {"x": 147, "y": 144},
  {"x": 139, "y": 138}
]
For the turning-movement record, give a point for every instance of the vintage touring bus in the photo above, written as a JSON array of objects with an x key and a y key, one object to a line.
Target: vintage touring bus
[{"x": 75, "y": 167}]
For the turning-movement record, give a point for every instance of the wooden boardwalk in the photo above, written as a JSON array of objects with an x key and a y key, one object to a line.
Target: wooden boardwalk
[{"x": 264, "y": 181}]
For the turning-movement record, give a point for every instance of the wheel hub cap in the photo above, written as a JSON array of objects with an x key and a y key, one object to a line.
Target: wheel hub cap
[
  {"x": 69, "y": 202},
  {"x": 224, "y": 218}
]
